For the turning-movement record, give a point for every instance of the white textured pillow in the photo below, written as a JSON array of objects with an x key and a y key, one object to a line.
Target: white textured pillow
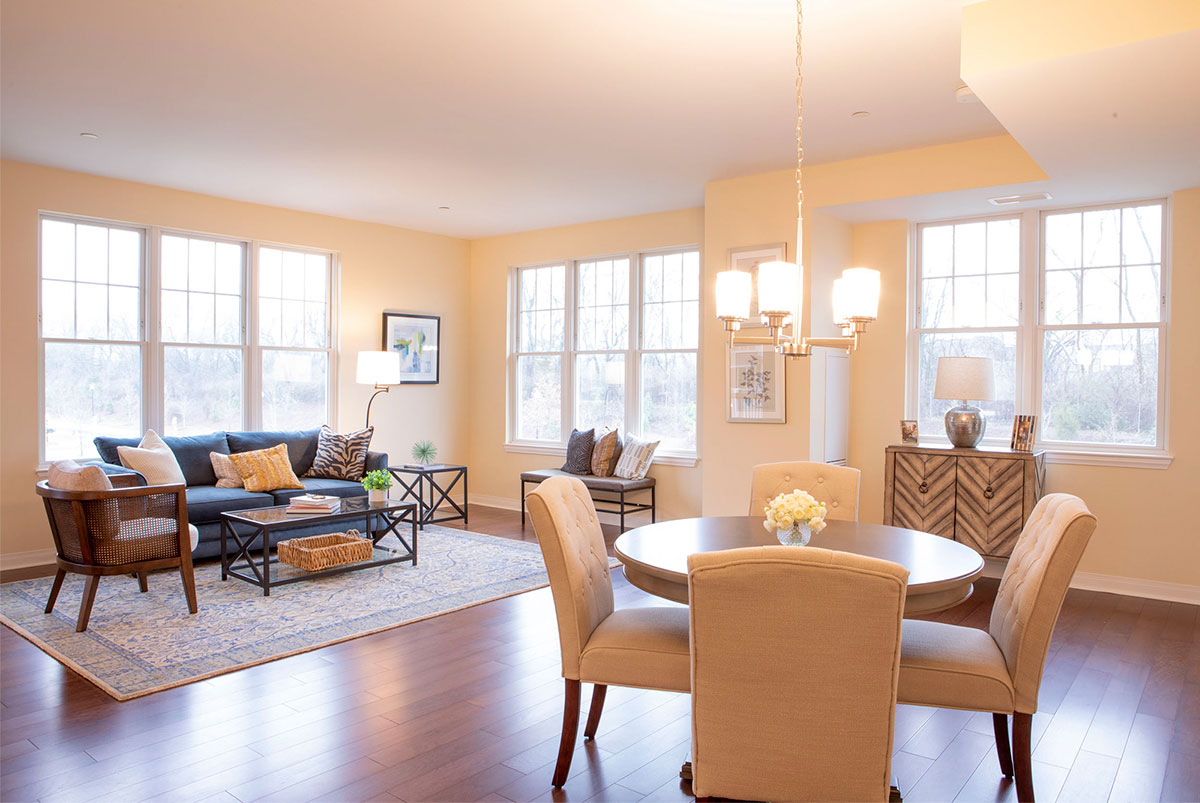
[
  {"x": 153, "y": 459},
  {"x": 635, "y": 458}
]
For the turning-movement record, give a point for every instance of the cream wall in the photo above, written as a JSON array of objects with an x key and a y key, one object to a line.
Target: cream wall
[
  {"x": 495, "y": 472},
  {"x": 382, "y": 267}
]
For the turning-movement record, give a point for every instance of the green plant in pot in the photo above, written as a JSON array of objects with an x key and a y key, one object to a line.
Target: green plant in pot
[
  {"x": 424, "y": 452},
  {"x": 377, "y": 483}
]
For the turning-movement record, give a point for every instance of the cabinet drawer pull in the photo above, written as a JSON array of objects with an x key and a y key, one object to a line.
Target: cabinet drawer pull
[
  {"x": 988, "y": 493},
  {"x": 923, "y": 487}
]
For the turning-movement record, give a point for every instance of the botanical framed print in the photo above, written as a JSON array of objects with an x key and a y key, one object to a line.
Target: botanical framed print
[
  {"x": 748, "y": 259},
  {"x": 908, "y": 431},
  {"x": 416, "y": 338},
  {"x": 755, "y": 387},
  {"x": 1022, "y": 434}
]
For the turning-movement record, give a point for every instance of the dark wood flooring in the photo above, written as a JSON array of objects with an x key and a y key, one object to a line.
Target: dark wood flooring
[{"x": 467, "y": 706}]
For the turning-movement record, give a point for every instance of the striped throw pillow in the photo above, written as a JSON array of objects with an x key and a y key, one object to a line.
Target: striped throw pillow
[
  {"x": 266, "y": 469},
  {"x": 604, "y": 454},
  {"x": 635, "y": 458},
  {"x": 341, "y": 457}
]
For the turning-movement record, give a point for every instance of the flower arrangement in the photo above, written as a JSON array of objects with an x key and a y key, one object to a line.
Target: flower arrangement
[
  {"x": 377, "y": 480},
  {"x": 797, "y": 507}
]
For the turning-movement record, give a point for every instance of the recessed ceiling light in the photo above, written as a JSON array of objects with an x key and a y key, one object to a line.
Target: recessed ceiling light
[
  {"x": 443, "y": 209},
  {"x": 964, "y": 94},
  {"x": 1006, "y": 200},
  {"x": 89, "y": 135},
  {"x": 860, "y": 114}
]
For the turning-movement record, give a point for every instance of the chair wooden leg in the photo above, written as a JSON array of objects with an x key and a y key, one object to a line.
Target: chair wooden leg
[
  {"x": 593, "y": 722},
  {"x": 1003, "y": 751},
  {"x": 566, "y": 747},
  {"x": 1022, "y": 760},
  {"x": 54, "y": 589},
  {"x": 143, "y": 584},
  {"x": 189, "y": 585},
  {"x": 85, "y": 605}
]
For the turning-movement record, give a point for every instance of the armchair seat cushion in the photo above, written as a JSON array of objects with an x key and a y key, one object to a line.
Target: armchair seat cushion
[
  {"x": 207, "y": 502},
  {"x": 949, "y": 666},
  {"x": 151, "y": 538},
  {"x": 642, "y": 647}
]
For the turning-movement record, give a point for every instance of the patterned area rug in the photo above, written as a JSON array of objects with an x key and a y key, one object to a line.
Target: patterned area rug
[{"x": 137, "y": 644}]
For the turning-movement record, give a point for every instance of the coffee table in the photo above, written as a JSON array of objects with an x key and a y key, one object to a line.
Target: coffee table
[{"x": 382, "y": 520}]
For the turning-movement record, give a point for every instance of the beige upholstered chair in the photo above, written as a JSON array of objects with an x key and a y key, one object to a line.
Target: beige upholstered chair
[
  {"x": 1000, "y": 670},
  {"x": 836, "y": 486},
  {"x": 642, "y": 647},
  {"x": 795, "y": 655}
]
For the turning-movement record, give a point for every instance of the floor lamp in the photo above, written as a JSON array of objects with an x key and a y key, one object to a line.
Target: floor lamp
[{"x": 378, "y": 368}]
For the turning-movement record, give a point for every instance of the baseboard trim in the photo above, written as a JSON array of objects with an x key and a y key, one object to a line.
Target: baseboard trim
[
  {"x": 1115, "y": 584},
  {"x": 500, "y": 502},
  {"x": 26, "y": 560}
]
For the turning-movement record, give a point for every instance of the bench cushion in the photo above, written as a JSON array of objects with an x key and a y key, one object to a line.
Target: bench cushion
[{"x": 592, "y": 482}]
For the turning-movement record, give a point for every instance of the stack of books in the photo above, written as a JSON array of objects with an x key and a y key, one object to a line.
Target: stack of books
[{"x": 314, "y": 503}]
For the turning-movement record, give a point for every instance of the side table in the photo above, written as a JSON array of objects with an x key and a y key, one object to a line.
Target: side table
[{"x": 421, "y": 484}]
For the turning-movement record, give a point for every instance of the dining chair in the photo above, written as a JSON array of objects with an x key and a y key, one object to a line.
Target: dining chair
[
  {"x": 795, "y": 658},
  {"x": 646, "y": 648},
  {"x": 119, "y": 530},
  {"x": 1000, "y": 670},
  {"x": 836, "y": 486}
]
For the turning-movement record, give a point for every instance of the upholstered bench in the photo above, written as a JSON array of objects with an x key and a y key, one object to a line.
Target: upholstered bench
[{"x": 603, "y": 490}]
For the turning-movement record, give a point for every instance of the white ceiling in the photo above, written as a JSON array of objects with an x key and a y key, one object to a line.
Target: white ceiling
[{"x": 518, "y": 114}]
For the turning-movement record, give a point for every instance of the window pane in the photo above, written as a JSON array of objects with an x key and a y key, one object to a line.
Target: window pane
[
  {"x": 229, "y": 269},
  {"x": 58, "y": 250},
  {"x": 295, "y": 389},
  {"x": 1102, "y": 295},
  {"x": 1062, "y": 297},
  {"x": 1000, "y": 346},
  {"x": 600, "y": 391},
  {"x": 1004, "y": 246},
  {"x": 201, "y": 265},
  {"x": 174, "y": 316},
  {"x": 316, "y": 269},
  {"x": 202, "y": 389},
  {"x": 201, "y": 318},
  {"x": 1063, "y": 241},
  {"x": 76, "y": 301},
  {"x": 1101, "y": 386},
  {"x": 314, "y": 325},
  {"x": 539, "y": 403},
  {"x": 228, "y": 320},
  {"x": 1102, "y": 238},
  {"x": 286, "y": 279},
  {"x": 174, "y": 259},
  {"x": 673, "y": 321},
  {"x": 1141, "y": 235},
  {"x": 937, "y": 250},
  {"x": 937, "y": 303},
  {"x": 124, "y": 257},
  {"x": 970, "y": 248},
  {"x": 58, "y": 309},
  {"x": 669, "y": 399},
  {"x": 91, "y": 254},
  {"x": 91, "y": 389},
  {"x": 293, "y": 275},
  {"x": 270, "y": 261},
  {"x": 1141, "y": 302},
  {"x": 542, "y": 324},
  {"x": 969, "y": 301},
  {"x": 91, "y": 311},
  {"x": 1003, "y": 292},
  {"x": 194, "y": 271},
  {"x": 124, "y": 317},
  {"x": 602, "y": 315}
]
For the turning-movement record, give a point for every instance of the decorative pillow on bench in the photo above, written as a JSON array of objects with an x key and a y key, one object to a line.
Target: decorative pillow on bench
[
  {"x": 579, "y": 452},
  {"x": 605, "y": 453},
  {"x": 635, "y": 458}
]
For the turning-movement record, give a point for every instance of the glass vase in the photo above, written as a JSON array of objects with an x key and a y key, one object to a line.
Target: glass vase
[{"x": 798, "y": 534}]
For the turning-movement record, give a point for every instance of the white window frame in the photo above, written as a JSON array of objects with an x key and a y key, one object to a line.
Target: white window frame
[
  {"x": 633, "y": 352},
  {"x": 152, "y": 344},
  {"x": 1030, "y": 336}
]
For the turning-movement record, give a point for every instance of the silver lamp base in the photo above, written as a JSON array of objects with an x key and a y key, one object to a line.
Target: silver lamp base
[{"x": 965, "y": 426}]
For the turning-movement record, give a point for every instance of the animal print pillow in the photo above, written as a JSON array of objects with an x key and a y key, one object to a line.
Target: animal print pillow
[{"x": 341, "y": 457}]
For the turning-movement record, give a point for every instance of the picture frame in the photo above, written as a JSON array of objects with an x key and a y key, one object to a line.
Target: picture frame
[
  {"x": 755, "y": 385},
  {"x": 1023, "y": 430},
  {"x": 417, "y": 338},
  {"x": 909, "y": 432},
  {"x": 747, "y": 259}
]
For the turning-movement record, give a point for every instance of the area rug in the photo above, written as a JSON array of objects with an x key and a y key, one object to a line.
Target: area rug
[{"x": 137, "y": 644}]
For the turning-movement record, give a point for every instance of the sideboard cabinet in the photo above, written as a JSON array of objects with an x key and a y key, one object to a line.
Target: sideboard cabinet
[{"x": 979, "y": 497}]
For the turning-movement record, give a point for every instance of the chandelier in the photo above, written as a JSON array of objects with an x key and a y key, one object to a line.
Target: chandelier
[{"x": 780, "y": 284}]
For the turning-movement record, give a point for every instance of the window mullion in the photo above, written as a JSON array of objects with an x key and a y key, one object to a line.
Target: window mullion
[
  {"x": 153, "y": 388},
  {"x": 633, "y": 348},
  {"x": 567, "y": 356},
  {"x": 252, "y": 413}
]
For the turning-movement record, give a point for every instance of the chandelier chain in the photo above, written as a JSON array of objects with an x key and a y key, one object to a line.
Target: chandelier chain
[{"x": 799, "y": 133}]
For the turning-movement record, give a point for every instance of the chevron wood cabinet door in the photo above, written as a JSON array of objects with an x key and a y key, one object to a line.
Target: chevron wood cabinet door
[{"x": 979, "y": 497}]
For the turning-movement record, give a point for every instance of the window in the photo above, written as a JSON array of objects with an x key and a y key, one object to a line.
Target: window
[
  {"x": 1085, "y": 353},
  {"x": 620, "y": 333},
  {"x": 189, "y": 355}
]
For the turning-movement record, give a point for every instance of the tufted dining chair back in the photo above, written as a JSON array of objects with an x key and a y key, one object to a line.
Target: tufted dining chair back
[
  {"x": 568, "y": 531},
  {"x": 835, "y": 486},
  {"x": 1033, "y": 587}
]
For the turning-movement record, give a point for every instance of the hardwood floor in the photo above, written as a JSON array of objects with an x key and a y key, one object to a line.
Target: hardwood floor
[{"x": 467, "y": 706}]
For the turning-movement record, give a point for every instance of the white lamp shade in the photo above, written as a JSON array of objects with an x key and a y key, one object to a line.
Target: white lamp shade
[
  {"x": 859, "y": 297},
  {"x": 778, "y": 287},
  {"x": 965, "y": 378},
  {"x": 733, "y": 294},
  {"x": 378, "y": 368}
]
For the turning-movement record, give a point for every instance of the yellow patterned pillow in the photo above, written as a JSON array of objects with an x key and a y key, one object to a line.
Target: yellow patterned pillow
[{"x": 266, "y": 469}]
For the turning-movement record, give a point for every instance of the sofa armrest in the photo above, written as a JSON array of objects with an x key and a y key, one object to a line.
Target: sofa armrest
[
  {"x": 376, "y": 461},
  {"x": 119, "y": 476}
]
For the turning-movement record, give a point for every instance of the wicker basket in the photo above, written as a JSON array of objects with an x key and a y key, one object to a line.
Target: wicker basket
[{"x": 319, "y": 552}]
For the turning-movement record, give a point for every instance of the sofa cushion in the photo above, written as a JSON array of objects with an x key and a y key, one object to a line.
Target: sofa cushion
[
  {"x": 191, "y": 452},
  {"x": 208, "y": 502},
  {"x": 342, "y": 488},
  {"x": 301, "y": 445}
]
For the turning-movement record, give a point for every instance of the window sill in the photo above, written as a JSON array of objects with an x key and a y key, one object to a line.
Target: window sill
[
  {"x": 1113, "y": 459},
  {"x": 660, "y": 459}
]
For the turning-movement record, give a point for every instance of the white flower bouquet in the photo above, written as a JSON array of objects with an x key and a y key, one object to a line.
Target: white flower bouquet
[{"x": 797, "y": 507}]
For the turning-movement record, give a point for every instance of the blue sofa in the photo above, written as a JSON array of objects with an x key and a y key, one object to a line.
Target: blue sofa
[{"x": 206, "y": 502}]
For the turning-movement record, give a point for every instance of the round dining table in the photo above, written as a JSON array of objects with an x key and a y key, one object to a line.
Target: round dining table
[{"x": 941, "y": 572}]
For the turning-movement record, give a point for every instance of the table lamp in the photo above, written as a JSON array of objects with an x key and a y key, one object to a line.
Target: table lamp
[
  {"x": 963, "y": 379},
  {"x": 378, "y": 368}
]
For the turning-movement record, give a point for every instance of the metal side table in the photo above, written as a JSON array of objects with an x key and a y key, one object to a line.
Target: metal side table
[{"x": 430, "y": 486}]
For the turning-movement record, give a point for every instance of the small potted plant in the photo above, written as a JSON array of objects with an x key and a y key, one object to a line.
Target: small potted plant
[{"x": 377, "y": 483}]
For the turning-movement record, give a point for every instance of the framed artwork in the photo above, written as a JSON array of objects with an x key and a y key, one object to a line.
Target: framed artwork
[
  {"x": 1022, "y": 433},
  {"x": 754, "y": 380},
  {"x": 748, "y": 259},
  {"x": 416, "y": 338},
  {"x": 908, "y": 431}
]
